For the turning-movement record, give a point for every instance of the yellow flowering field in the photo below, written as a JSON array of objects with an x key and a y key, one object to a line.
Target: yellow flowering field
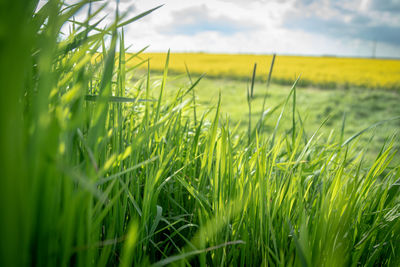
[{"x": 319, "y": 71}]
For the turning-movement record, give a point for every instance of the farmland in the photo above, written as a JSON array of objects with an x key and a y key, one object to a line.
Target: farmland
[
  {"x": 325, "y": 72},
  {"x": 108, "y": 163}
]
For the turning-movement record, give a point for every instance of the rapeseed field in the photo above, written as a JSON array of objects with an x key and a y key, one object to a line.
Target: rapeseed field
[{"x": 325, "y": 72}]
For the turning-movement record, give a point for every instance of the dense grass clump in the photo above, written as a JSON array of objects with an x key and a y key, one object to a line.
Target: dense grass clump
[{"x": 94, "y": 174}]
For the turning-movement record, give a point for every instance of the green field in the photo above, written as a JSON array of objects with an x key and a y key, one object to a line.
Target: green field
[
  {"x": 102, "y": 165},
  {"x": 360, "y": 108}
]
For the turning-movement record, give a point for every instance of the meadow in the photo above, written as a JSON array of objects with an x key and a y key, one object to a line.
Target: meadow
[
  {"x": 360, "y": 108},
  {"x": 322, "y": 72},
  {"x": 104, "y": 165}
]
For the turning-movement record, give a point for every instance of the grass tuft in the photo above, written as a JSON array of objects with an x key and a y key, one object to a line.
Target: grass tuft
[{"x": 94, "y": 174}]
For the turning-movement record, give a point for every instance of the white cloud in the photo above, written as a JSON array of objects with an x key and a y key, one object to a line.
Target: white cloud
[{"x": 335, "y": 27}]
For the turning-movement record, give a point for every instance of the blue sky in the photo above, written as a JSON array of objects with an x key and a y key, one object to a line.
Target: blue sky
[{"x": 303, "y": 27}]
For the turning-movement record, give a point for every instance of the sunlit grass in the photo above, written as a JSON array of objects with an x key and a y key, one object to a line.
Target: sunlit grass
[
  {"x": 96, "y": 174},
  {"x": 360, "y": 107}
]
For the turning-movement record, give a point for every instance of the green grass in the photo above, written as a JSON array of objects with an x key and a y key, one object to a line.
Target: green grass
[
  {"x": 91, "y": 179},
  {"x": 361, "y": 108}
]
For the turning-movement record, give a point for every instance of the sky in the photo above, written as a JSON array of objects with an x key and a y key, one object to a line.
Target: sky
[{"x": 360, "y": 28}]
